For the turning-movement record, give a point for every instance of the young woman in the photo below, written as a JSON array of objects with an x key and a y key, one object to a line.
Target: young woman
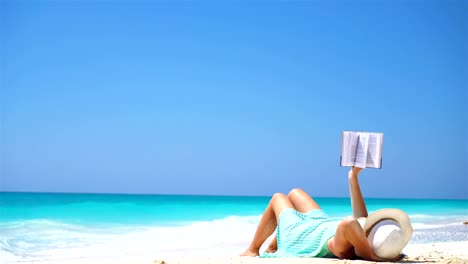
[{"x": 304, "y": 230}]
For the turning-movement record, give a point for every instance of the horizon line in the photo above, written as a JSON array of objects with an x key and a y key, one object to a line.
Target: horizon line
[{"x": 222, "y": 195}]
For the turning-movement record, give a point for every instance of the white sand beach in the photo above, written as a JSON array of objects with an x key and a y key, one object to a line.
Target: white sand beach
[{"x": 441, "y": 252}]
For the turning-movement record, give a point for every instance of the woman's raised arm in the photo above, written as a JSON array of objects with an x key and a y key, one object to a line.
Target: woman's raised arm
[{"x": 357, "y": 201}]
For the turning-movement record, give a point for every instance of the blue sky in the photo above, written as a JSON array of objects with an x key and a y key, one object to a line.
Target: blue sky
[{"x": 232, "y": 98}]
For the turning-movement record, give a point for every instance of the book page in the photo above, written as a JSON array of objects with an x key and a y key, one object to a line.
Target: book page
[
  {"x": 348, "y": 148},
  {"x": 374, "y": 153},
  {"x": 361, "y": 151}
]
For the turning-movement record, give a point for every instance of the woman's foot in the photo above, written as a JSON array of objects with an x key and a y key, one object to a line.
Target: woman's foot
[
  {"x": 271, "y": 249},
  {"x": 250, "y": 253},
  {"x": 273, "y": 246}
]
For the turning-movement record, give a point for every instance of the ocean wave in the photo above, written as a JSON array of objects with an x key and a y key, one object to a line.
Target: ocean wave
[
  {"x": 421, "y": 216},
  {"x": 422, "y": 226},
  {"x": 44, "y": 239}
]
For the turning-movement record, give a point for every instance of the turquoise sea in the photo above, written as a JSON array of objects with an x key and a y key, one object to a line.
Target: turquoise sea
[{"x": 51, "y": 226}]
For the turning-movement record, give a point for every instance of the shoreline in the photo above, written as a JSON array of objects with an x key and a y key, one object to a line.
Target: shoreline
[{"x": 437, "y": 252}]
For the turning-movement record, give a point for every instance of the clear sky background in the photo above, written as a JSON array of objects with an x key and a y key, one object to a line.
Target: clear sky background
[{"x": 232, "y": 98}]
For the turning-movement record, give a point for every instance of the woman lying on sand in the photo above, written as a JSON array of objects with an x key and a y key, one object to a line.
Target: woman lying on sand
[{"x": 304, "y": 230}]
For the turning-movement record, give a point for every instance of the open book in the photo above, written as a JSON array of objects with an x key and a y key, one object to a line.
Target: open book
[{"x": 361, "y": 149}]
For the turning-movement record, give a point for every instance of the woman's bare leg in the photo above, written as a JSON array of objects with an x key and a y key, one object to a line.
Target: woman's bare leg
[
  {"x": 350, "y": 241},
  {"x": 303, "y": 203},
  {"x": 268, "y": 223}
]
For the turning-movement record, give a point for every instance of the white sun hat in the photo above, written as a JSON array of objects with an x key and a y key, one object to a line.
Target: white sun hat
[{"x": 388, "y": 231}]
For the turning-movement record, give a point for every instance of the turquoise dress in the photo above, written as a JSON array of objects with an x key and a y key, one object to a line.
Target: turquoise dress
[{"x": 304, "y": 235}]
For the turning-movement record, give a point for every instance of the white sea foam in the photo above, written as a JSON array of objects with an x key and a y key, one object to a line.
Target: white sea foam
[
  {"x": 48, "y": 240},
  {"x": 420, "y": 216},
  {"x": 422, "y": 226}
]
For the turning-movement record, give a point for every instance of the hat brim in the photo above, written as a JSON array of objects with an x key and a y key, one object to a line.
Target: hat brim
[{"x": 392, "y": 214}]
